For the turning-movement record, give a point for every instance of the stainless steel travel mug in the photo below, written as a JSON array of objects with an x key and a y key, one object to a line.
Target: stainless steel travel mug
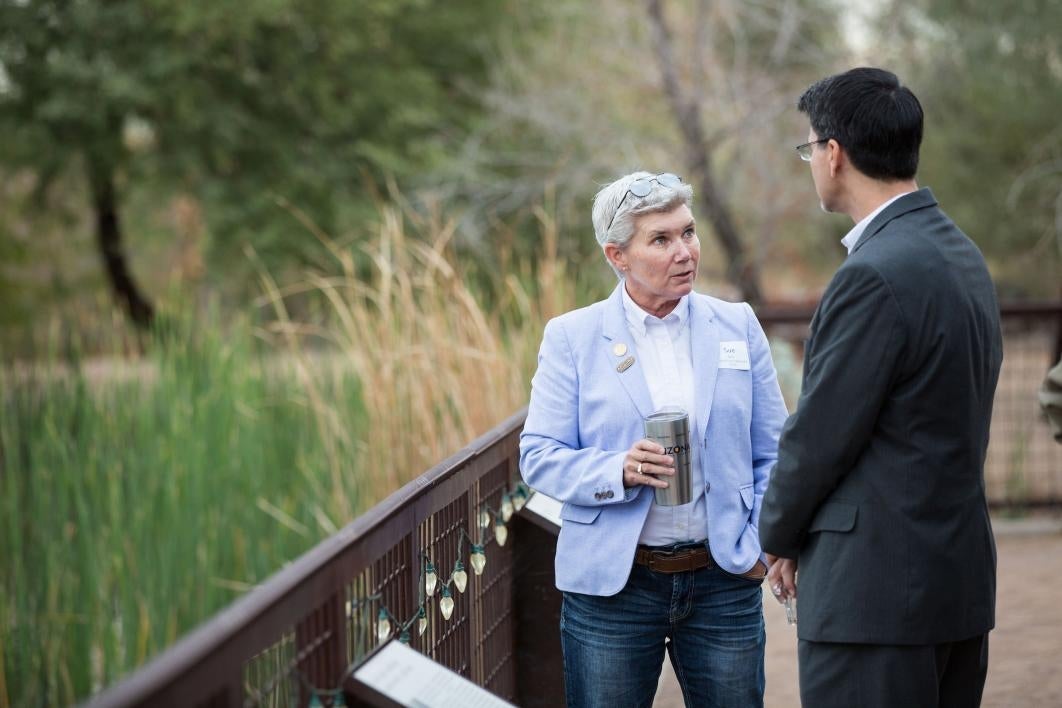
[{"x": 670, "y": 427}]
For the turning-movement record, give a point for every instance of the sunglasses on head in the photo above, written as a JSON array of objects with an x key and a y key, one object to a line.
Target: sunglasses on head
[{"x": 642, "y": 186}]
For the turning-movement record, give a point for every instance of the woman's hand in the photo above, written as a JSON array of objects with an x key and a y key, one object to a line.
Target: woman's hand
[{"x": 645, "y": 460}]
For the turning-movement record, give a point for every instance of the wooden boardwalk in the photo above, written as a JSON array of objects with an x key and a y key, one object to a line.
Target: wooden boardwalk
[{"x": 1024, "y": 649}]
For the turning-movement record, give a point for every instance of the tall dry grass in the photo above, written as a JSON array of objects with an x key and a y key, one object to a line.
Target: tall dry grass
[{"x": 437, "y": 364}]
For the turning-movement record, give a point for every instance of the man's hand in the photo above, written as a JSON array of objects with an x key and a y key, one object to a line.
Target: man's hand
[{"x": 781, "y": 577}]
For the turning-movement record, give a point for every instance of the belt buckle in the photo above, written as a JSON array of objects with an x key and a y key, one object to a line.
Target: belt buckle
[{"x": 655, "y": 556}]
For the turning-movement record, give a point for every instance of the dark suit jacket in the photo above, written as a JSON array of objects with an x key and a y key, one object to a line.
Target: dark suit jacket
[{"x": 879, "y": 487}]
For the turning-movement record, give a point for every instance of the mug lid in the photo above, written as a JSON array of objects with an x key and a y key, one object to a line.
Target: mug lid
[{"x": 668, "y": 413}]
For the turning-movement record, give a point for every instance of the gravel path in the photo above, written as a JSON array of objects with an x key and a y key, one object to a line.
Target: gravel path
[{"x": 1025, "y": 668}]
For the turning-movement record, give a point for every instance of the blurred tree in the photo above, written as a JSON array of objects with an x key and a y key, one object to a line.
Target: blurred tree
[
  {"x": 703, "y": 89},
  {"x": 989, "y": 75},
  {"x": 239, "y": 104},
  {"x": 685, "y": 102}
]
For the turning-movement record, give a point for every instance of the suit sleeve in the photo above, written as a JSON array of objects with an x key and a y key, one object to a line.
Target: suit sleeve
[
  {"x": 768, "y": 412},
  {"x": 552, "y": 458},
  {"x": 849, "y": 365}
]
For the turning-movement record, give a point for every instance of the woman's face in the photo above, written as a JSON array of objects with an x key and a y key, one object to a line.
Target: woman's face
[{"x": 660, "y": 261}]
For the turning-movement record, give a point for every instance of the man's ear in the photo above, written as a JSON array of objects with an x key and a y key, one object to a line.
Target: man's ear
[
  {"x": 835, "y": 156},
  {"x": 616, "y": 256}
]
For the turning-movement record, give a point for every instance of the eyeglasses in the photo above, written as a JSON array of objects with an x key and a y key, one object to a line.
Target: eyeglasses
[
  {"x": 805, "y": 150},
  {"x": 643, "y": 186}
]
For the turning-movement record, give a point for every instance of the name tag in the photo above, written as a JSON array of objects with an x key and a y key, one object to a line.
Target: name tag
[{"x": 734, "y": 355}]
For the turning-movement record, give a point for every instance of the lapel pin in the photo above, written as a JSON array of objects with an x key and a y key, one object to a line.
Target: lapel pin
[
  {"x": 619, "y": 348},
  {"x": 625, "y": 364}
]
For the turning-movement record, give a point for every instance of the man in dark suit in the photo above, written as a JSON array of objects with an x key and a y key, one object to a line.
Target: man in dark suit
[{"x": 879, "y": 493}]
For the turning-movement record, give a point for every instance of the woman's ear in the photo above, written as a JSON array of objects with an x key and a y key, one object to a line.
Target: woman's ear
[{"x": 616, "y": 256}]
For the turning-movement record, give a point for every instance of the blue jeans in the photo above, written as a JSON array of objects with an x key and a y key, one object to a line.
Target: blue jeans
[{"x": 711, "y": 623}]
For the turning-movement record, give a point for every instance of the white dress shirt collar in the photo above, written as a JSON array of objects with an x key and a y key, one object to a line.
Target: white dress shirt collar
[
  {"x": 852, "y": 237},
  {"x": 637, "y": 317}
]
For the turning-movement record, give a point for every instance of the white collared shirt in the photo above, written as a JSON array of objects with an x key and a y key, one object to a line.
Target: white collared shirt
[
  {"x": 852, "y": 237},
  {"x": 663, "y": 346}
]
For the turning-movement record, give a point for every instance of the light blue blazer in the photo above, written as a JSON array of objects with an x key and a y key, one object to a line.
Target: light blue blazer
[{"x": 585, "y": 414}]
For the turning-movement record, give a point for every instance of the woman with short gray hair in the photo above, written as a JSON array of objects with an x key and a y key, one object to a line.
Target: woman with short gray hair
[{"x": 644, "y": 567}]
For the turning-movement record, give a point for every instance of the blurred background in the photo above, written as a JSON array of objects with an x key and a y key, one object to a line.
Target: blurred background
[{"x": 245, "y": 245}]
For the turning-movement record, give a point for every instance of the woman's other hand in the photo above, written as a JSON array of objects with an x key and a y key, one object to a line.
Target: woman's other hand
[{"x": 646, "y": 461}]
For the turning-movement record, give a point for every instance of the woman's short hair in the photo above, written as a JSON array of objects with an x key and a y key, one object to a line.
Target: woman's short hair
[{"x": 615, "y": 207}]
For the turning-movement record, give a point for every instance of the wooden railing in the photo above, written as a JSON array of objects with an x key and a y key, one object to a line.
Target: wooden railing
[{"x": 301, "y": 632}]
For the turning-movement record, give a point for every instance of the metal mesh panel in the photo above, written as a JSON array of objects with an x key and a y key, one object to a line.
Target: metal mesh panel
[
  {"x": 361, "y": 618},
  {"x": 267, "y": 677},
  {"x": 493, "y": 628},
  {"x": 447, "y": 641},
  {"x": 1023, "y": 466},
  {"x": 1024, "y": 463},
  {"x": 392, "y": 576},
  {"x": 319, "y": 663}
]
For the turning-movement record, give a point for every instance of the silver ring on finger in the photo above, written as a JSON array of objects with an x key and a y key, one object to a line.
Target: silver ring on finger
[{"x": 639, "y": 468}]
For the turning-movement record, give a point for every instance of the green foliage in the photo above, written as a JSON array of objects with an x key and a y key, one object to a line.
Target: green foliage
[
  {"x": 237, "y": 104},
  {"x": 989, "y": 75},
  {"x": 137, "y": 501}
]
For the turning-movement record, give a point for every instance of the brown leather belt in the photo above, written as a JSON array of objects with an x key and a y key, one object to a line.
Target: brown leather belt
[{"x": 679, "y": 561}]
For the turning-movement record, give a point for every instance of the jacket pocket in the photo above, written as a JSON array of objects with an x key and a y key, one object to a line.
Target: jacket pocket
[
  {"x": 748, "y": 495},
  {"x": 835, "y": 516},
  {"x": 579, "y": 514}
]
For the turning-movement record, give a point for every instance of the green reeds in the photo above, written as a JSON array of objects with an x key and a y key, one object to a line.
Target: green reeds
[
  {"x": 134, "y": 507},
  {"x": 140, "y": 497}
]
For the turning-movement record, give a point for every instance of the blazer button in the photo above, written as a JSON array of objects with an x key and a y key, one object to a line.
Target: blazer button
[
  {"x": 609, "y": 495},
  {"x": 707, "y": 488},
  {"x": 597, "y": 495}
]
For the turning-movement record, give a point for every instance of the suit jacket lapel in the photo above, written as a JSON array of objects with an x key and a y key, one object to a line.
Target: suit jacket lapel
[
  {"x": 614, "y": 331},
  {"x": 704, "y": 343}
]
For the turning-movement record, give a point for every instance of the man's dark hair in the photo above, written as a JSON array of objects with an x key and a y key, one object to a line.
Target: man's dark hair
[{"x": 876, "y": 120}]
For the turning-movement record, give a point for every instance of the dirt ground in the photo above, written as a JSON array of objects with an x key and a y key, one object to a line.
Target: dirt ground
[{"x": 1025, "y": 648}]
